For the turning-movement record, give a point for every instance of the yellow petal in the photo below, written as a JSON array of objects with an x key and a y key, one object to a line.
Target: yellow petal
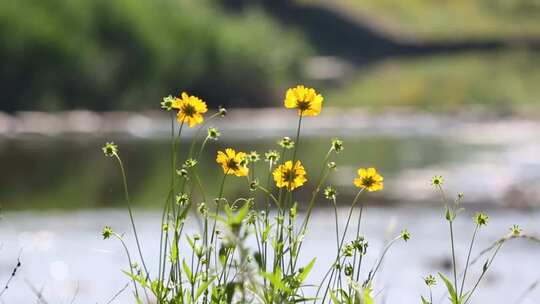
[
  {"x": 221, "y": 157},
  {"x": 230, "y": 153},
  {"x": 358, "y": 182},
  {"x": 362, "y": 172}
]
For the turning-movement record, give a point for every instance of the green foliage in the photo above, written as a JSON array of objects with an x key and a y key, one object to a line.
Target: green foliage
[
  {"x": 500, "y": 81},
  {"x": 102, "y": 54},
  {"x": 448, "y": 20}
]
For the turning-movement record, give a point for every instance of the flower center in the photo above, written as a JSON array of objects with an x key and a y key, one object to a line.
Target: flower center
[
  {"x": 232, "y": 164},
  {"x": 289, "y": 175},
  {"x": 189, "y": 110},
  {"x": 368, "y": 181},
  {"x": 303, "y": 105}
]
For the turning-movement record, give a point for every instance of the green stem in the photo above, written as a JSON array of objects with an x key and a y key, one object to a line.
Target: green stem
[
  {"x": 453, "y": 252},
  {"x": 468, "y": 259},
  {"x": 130, "y": 263},
  {"x": 340, "y": 247},
  {"x": 126, "y": 191},
  {"x": 379, "y": 262},
  {"x": 484, "y": 271}
]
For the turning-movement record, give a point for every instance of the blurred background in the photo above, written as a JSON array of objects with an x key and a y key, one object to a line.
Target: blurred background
[{"x": 416, "y": 88}]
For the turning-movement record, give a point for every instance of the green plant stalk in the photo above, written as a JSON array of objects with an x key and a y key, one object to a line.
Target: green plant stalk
[
  {"x": 128, "y": 201},
  {"x": 176, "y": 211},
  {"x": 339, "y": 250},
  {"x": 199, "y": 130},
  {"x": 379, "y": 262},
  {"x": 483, "y": 273},
  {"x": 169, "y": 202},
  {"x": 322, "y": 178},
  {"x": 130, "y": 263},
  {"x": 165, "y": 207},
  {"x": 453, "y": 252},
  {"x": 266, "y": 217},
  {"x": 212, "y": 235},
  {"x": 450, "y": 222},
  {"x": 468, "y": 259},
  {"x": 289, "y": 198}
]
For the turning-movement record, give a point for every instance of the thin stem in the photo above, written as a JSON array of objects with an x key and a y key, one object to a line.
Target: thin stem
[
  {"x": 453, "y": 252},
  {"x": 450, "y": 222},
  {"x": 338, "y": 256},
  {"x": 336, "y": 222},
  {"x": 468, "y": 259},
  {"x": 484, "y": 271},
  {"x": 297, "y": 140},
  {"x": 128, "y": 200},
  {"x": 379, "y": 262},
  {"x": 357, "y": 236},
  {"x": 129, "y": 261}
]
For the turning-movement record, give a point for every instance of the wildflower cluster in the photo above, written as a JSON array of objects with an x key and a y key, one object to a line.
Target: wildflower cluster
[
  {"x": 221, "y": 265},
  {"x": 215, "y": 264}
]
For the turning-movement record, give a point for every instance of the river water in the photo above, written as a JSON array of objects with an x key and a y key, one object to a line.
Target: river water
[
  {"x": 64, "y": 256},
  {"x": 53, "y": 162}
]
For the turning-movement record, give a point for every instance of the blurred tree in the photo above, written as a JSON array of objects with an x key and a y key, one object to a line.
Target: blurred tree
[{"x": 127, "y": 54}]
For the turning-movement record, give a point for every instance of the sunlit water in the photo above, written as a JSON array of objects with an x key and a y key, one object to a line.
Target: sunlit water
[
  {"x": 64, "y": 256},
  {"x": 55, "y": 160}
]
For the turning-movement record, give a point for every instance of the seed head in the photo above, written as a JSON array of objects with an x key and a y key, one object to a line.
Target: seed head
[
  {"x": 253, "y": 157},
  {"x": 430, "y": 280},
  {"x": 222, "y": 111},
  {"x": 213, "y": 133},
  {"x": 437, "y": 181},
  {"x": 515, "y": 230},
  {"x": 203, "y": 210},
  {"x": 182, "y": 199},
  {"x": 330, "y": 193},
  {"x": 405, "y": 235},
  {"x": 110, "y": 149},
  {"x": 286, "y": 142},
  {"x": 348, "y": 270},
  {"x": 107, "y": 232},
  {"x": 481, "y": 219},
  {"x": 253, "y": 185},
  {"x": 271, "y": 156},
  {"x": 182, "y": 172},
  {"x": 190, "y": 163},
  {"x": 337, "y": 145},
  {"x": 167, "y": 103}
]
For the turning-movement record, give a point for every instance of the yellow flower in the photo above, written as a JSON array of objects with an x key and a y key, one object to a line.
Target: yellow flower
[
  {"x": 287, "y": 176},
  {"x": 306, "y": 100},
  {"x": 190, "y": 109},
  {"x": 369, "y": 179},
  {"x": 232, "y": 162}
]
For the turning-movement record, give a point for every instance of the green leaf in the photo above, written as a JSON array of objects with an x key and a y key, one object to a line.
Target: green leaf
[
  {"x": 424, "y": 301},
  {"x": 305, "y": 272},
  {"x": 266, "y": 232},
  {"x": 258, "y": 258},
  {"x": 203, "y": 287},
  {"x": 275, "y": 279},
  {"x": 137, "y": 278},
  {"x": 366, "y": 296},
  {"x": 187, "y": 271},
  {"x": 345, "y": 296},
  {"x": 174, "y": 252},
  {"x": 334, "y": 298},
  {"x": 241, "y": 215},
  {"x": 451, "y": 289}
]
